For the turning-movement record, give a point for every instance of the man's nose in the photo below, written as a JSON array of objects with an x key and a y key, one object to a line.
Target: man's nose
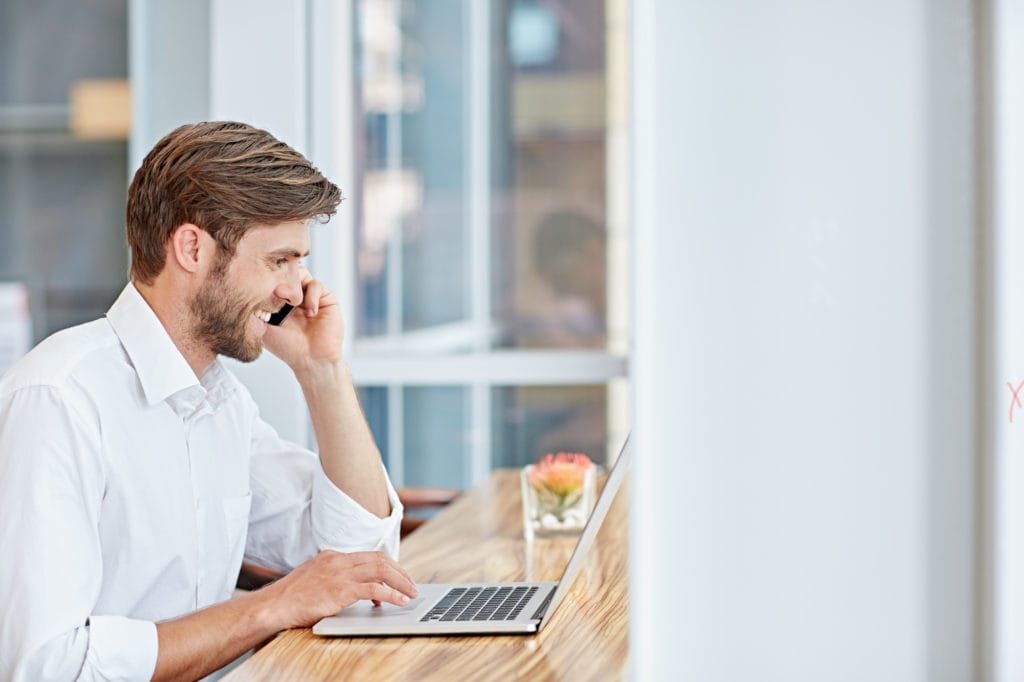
[{"x": 291, "y": 289}]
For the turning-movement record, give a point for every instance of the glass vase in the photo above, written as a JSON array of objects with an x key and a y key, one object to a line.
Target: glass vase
[{"x": 547, "y": 514}]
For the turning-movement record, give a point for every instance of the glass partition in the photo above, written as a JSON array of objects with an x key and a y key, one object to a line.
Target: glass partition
[
  {"x": 427, "y": 438},
  {"x": 490, "y": 189}
]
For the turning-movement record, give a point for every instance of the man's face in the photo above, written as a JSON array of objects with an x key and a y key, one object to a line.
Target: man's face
[{"x": 238, "y": 293}]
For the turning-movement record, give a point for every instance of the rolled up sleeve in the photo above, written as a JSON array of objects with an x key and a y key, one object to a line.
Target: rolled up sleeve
[
  {"x": 121, "y": 648},
  {"x": 342, "y": 524},
  {"x": 297, "y": 511},
  {"x": 108, "y": 648}
]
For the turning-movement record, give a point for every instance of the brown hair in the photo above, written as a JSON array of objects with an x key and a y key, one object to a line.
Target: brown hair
[{"x": 225, "y": 177}]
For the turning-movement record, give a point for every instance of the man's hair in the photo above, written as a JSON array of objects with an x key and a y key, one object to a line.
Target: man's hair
[{"x": 224, "y": 177}]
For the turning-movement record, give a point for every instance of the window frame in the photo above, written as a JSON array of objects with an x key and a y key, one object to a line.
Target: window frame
[{"x": 456, "y": 354}]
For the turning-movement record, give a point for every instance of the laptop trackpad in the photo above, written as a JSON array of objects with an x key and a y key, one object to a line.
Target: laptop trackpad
[{"x": 366, "y": 609}]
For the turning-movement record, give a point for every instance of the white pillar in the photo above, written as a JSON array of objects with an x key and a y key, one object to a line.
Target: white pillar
[
  {"x": 169, "y": 68},
  {"x": 804, "y": 378},
  {"x": 1006, "y": 482}
]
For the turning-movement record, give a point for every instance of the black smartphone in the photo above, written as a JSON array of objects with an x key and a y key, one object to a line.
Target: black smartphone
[{"x": 278, "y": 317}]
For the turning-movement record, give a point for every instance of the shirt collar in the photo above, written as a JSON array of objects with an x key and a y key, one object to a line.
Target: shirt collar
[{"x": 162, "y": 370}]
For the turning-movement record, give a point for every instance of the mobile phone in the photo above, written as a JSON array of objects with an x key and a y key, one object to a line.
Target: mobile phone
[{"x": 278, "y": 317}]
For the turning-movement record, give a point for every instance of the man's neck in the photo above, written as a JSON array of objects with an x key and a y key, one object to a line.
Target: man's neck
[{"x": 172, "y": 311}]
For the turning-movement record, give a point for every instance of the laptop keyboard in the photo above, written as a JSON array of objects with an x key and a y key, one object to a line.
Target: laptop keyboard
[{"x": 480, "y": 603}]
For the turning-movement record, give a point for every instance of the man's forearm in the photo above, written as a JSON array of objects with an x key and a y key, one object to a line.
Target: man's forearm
[
  {"x": 195, "y": 645},
  {"x": 348, "y": 453}
]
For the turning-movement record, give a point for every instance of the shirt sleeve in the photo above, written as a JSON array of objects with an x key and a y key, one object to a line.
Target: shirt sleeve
[
  {"x": 51, "y": 482},
  {"x": 297, "y": 511}
]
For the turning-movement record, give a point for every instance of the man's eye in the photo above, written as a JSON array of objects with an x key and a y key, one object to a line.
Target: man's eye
[{"x": 280, "y": 262}]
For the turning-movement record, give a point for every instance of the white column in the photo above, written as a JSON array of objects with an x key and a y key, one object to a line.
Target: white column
[
  {"x": 1006, "y": 418},
  {"x": 170, "y": 83},
  {"x": 804, "y": 381}
]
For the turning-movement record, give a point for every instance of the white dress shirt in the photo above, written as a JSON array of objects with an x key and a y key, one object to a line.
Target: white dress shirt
[{"x": 130, "y": 492}]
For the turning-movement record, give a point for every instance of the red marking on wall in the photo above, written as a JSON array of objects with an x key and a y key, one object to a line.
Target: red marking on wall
[{"x": 1015, "y": 401}]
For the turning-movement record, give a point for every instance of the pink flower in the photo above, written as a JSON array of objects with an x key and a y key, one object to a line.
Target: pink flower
[{"x": 561, "y": 475}]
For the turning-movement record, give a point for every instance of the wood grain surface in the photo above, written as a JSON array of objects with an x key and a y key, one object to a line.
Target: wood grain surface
[{"x": 479, "y": 538}]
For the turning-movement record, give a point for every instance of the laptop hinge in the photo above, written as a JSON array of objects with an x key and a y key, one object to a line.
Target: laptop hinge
[{"x": 542, "y": 609}]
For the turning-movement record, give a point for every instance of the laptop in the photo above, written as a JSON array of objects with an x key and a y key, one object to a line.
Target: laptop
[{"x": 478, "y": 608}]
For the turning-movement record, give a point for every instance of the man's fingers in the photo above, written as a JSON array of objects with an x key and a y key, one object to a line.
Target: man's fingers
[
  {"x": 376, "y": 557},
  {"x": 373, "y": 592},
  {"x": 385, "y": 574},
  {"x": 380, "y": 593},
  {"x": 386, "y": 565},
  {"x": 314, "y": 289}
]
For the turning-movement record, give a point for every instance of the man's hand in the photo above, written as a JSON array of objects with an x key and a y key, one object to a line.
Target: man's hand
[
  {"x": 313, "y": 332},
  {"x": 330, "y": 581},
  {"x": 199, "y": 643}
]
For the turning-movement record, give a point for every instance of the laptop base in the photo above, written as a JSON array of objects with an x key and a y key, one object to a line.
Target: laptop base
[{"x": 362, "y": 619}]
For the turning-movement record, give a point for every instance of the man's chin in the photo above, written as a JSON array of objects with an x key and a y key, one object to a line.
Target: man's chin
[{"x": 246, "y": 355}]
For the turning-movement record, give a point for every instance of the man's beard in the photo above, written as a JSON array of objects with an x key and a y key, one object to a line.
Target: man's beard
[{"x": 221, "y": 317}]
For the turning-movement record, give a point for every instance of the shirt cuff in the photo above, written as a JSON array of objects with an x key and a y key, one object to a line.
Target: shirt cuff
[
  {"x": 121, "y": 648},
  {"x": 342, "y": 524}
]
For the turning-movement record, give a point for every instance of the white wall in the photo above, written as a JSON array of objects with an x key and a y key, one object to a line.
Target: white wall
[
  {"x": 1007, "y": 472},
  {"x": 169, "y": 69},
  {"x": 804, "y": 368}
]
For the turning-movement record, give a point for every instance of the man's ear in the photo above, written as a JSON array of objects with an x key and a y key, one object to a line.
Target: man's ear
[{"x": 190, "y": 246}]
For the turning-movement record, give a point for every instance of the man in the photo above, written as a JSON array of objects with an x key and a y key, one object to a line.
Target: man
[{"x": 135, "y": 471}]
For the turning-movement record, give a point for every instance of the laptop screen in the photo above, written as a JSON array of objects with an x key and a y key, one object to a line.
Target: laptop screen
[{"x": 604, "y": 502}]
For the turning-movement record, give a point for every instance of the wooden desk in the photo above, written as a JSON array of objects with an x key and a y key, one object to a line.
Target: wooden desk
[{"x": 479, "y": 538}]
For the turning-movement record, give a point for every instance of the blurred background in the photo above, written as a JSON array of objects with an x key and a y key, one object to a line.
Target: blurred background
[
  {"x": 778, "y": 240},
  {"x": 483, "y": 219}
]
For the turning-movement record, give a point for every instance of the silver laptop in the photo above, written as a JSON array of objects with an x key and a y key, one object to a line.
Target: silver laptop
[{"x": 478, "y": 608}]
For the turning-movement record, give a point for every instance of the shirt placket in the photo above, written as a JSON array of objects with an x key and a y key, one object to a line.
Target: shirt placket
[{"x": 191, "y": 407}]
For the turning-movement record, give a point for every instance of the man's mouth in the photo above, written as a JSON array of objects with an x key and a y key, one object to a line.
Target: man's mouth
[{"x": 263, "y": 315}]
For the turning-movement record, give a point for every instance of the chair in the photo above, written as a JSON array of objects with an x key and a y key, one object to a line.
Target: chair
[
  {"x": 253, "y": 577},
  {"x": 422, "y": 499}
]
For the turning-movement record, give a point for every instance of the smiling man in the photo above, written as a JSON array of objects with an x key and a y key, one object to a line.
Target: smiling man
[{"x": 135, "y": 471}]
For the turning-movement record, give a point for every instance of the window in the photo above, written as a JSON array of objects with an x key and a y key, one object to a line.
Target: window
[{"x": 486, "y": 269}]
